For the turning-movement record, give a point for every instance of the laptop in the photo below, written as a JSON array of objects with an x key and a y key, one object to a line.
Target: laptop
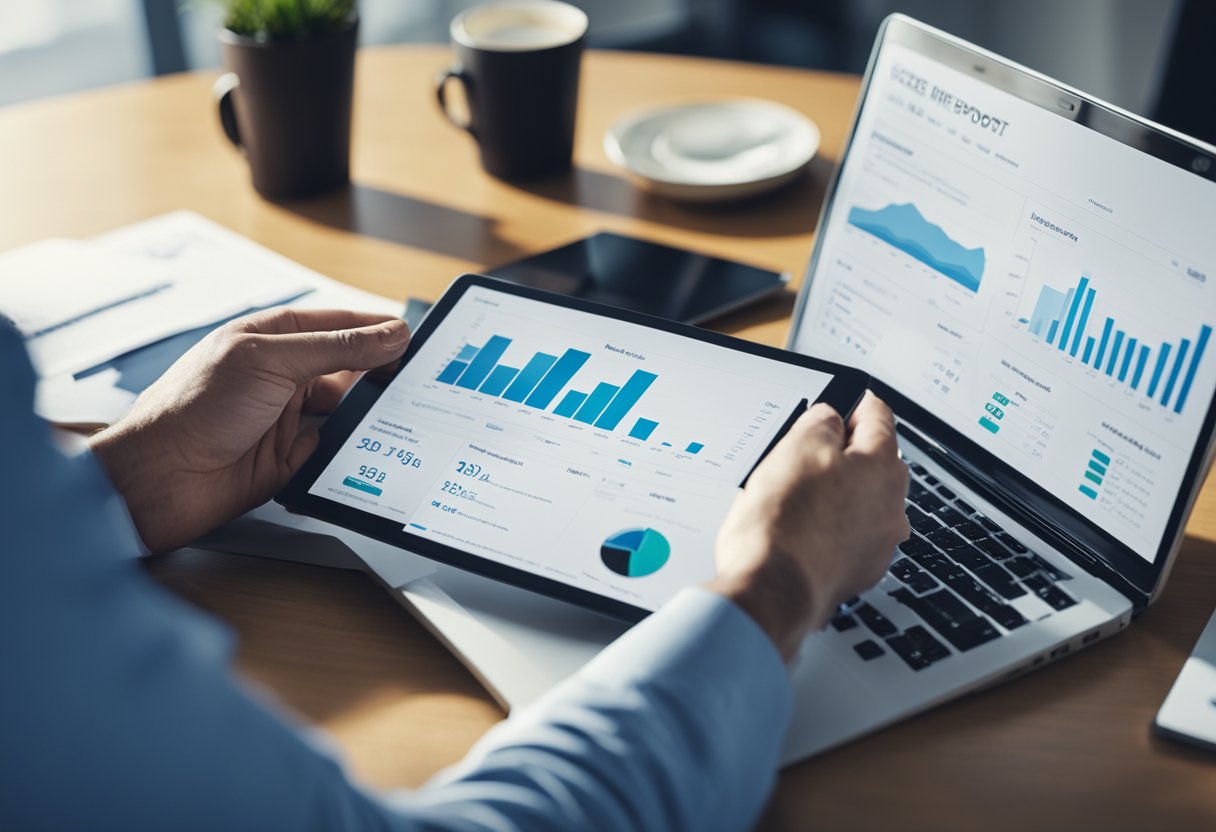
[{"x": 1023, "y": 270}]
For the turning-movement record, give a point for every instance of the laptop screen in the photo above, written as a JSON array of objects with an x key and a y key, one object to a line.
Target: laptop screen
[{"x": 1033, "y": 283}]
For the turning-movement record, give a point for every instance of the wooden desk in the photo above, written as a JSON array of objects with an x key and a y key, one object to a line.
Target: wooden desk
[{"x": 1068, "y": 745}]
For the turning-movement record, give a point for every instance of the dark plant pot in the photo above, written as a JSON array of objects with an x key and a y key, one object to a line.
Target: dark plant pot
[{"x": 287, "y": 105}]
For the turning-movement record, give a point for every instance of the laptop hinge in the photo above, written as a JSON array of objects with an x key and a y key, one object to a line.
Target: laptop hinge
[{"x": 1008, "y": 502}]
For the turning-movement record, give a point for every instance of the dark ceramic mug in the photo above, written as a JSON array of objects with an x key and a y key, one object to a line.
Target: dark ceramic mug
[
  {"x": 518, "y": 62},
  {"x": 287, "y": 105}
]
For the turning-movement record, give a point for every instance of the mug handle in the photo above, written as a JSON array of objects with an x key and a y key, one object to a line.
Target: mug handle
[
  {"x": 222, "y": 91},
  {"x": 452, "y": 73}
]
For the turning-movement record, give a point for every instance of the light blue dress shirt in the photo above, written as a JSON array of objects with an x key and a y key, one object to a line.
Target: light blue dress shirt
[{"x": 118, "y": 709}]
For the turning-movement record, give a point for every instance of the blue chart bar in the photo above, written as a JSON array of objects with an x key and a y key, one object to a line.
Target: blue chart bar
[
  {"x": 1140, "y": 362},
  {"x": 527, "y": 380},
  {"x": 467, "y": 353},
  {"x": 1204, "y": 333},
  {"x": 1162, "y": 357},
  {"x": 666, "y": 444},
  {"x": 452, "y": 372},
  {"x": 624, "y": 401},
  {"x": 1068, "y": 309},
  {"x": 1078, "y": 295},
  {"x": 642, "y": 429},
  {"x": 596, "y": 402},
  {"x": 498, "y": 380},
  {"x": 1183, "y": 349},
  {"x": 1051, "y": 331},
  {"x": 1127, "y": 358},
  {"x": 1089, "y": 348},
  {"x": 557, "y": 378},
  {"x": 1076, "y": 338},
  {"x": 570, "y": 404},
  {"x": 694, "y": 447},
  {"x": 1114, "y": 352},
  {"x": 1106, "y": 328},
  {"x": 481, "y": 366}
]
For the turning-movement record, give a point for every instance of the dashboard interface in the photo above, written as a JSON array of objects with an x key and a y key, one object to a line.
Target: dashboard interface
[
  {"x": 587, "y": 450},
  {"x": 1039, "y": 286}
]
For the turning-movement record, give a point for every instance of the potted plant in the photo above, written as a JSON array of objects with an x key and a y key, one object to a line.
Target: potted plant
[{"x": 285, "y": 100}]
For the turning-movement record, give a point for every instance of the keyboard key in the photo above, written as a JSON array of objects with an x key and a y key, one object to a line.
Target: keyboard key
[
  {"x": 915, "y": 578},
  {"x": 946, "y": 540},
  {"x": 842, "y": 622},
  {"x": 923, "y": 523},
  {"x": 970, "y": 557},
  {"x": 950, "y": 515},
  {"x": 970, "y": 530},
  {"x": 916, "y": 545},
  {"x": 917, "y": 469},
  {"x": 1021, "y": 566},
  {"x": 1045, "y": 565},
  {"x": 1012, "y": 542},
  {"x": 994, "y": 549},
  {"x": 1051, "y": 594},
  {"x": 946, "y": 492},
  {"x": 964, "y": 507},
  {"x": 916, "y": 491},
  {"x": 999, "y": 581},
  {"x": 930, "y": 502},
  {"x": 950, "y": 618},
  {"x": 909, "y": 651},
  {"x": 931, "y": 647},
  {"x": 878, "y": 623},
  {"x": 868, "y": 650},
  {"x": 930, "y": 479},
  {"x": 988, "y": 523}
]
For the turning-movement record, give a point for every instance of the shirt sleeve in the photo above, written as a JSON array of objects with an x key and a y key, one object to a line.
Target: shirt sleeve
[{"x": 122, "y": 703}]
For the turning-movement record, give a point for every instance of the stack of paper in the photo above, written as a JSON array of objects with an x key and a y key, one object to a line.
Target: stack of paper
[{"x": 102, "y": 319}]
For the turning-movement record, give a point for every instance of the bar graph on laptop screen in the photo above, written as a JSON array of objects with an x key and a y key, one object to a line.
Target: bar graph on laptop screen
[
  {"x": 1039, "y": 286},
  {"x": 537, "y": 436}
]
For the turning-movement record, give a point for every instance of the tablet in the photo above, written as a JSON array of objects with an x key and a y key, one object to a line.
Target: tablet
[{"x": 582, "y": 451}]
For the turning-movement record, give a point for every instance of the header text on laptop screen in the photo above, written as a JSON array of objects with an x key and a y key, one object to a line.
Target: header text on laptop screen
[{"x": 1039, "y": 286}]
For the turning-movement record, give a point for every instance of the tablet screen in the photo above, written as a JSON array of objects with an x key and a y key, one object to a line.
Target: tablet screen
[{"x": 590, "y": 451}]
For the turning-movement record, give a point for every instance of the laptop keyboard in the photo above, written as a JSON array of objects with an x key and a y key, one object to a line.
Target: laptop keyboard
[{"x": 961, "y": 574}]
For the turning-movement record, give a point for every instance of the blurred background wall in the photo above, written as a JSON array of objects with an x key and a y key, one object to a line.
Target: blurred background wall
[{"x": 1119, "y": 50}]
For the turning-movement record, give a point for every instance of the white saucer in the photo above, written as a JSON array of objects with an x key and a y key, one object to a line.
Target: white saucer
[{"x": 715, "y": 150}]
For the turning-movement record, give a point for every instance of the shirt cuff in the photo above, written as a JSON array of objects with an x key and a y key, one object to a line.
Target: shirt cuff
[{"x": 701, "y": 636}]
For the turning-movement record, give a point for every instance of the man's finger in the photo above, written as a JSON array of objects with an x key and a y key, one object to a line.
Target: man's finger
[
  {"x": 286, "y": 321},
  {"x": 821, "y": 425},
  {"x": 872, "y": 426},
  {"x": 303, "y": 356}
]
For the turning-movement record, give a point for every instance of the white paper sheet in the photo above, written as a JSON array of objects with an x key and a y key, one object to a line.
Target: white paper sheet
[{"x": 50, "y": 284}]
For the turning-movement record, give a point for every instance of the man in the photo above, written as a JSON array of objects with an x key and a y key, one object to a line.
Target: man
[{"x": 117, "y": 707}]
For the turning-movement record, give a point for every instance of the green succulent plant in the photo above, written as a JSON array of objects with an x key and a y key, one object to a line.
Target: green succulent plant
[{"x": 286, "y": 18}]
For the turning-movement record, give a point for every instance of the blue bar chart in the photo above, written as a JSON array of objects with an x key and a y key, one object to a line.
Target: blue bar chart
[
  {"x": 1162, "y": 371},
  {"x": 544, "y": 379}
]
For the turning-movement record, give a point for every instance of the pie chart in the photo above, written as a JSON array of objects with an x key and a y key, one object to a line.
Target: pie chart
[{"x": 635, "y": 553}]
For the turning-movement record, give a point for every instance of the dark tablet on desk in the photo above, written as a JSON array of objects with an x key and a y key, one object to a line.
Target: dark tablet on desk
[
  {"x": 646, "y": 277},
  {"x": 574, "y": 449}
]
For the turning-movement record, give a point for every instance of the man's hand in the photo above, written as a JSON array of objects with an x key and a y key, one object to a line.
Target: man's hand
[
  {"x": 817, "y": 523},
  {"x": 225, "y": 428}
]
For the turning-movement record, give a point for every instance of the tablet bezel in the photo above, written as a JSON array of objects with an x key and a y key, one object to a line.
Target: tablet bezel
[{"x": 843, "y": 393}]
